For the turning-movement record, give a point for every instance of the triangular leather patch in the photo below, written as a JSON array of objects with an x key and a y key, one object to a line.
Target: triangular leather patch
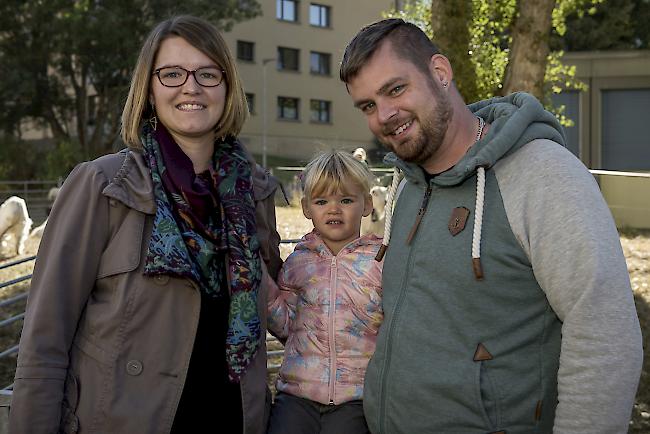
[
  {"x": 482, "y": 354},
  {"x": 458, "y": 220}
]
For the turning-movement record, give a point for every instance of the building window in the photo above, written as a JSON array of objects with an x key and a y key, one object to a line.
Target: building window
[
  {"x": 246, "y": 51},
  {"x": 250, "y": 100},
  {"x": 320, "y": 111},
  {"x": 319, "y": 15},
  {"x": 286, "y": 10},
  {"x": 288, "y": 108},
  {"x": 319, "y": 63},
  {"x": 288, "y": 59}
]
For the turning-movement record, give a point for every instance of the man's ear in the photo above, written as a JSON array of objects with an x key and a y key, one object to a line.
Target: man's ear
[
  {"x": 367, "y": 205},
  {"x": 440, "y": 70},
  {"x": 305, "y": 208}
]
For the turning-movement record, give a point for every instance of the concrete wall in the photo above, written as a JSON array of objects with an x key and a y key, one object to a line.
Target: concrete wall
[
  {"x": 628, "y": 198},
  {"x": 302, "y": 138}
]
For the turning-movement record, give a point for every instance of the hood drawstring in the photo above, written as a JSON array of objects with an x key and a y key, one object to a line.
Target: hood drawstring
[
  {"x": 390, "y": 197},
  {"x": 478, "y": 223},
  {"x": 478, "y": 212}
]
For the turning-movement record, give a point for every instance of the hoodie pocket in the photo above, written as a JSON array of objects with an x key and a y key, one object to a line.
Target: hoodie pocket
[{"x": 487, "y": 396}]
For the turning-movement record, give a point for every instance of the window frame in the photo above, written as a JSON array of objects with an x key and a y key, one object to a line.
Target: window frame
[
  {"x": 328, "y": 63},
  {"x": 250, "y": 102},
  {"x": 281, "y": 109},
  {"x": 249, "y": 44},
  {"x": 282, "y": 15},
  {"x": 327, "y": 16},
  {"x": 281, "y": 64},
  {"x": 323, "y": 106}
]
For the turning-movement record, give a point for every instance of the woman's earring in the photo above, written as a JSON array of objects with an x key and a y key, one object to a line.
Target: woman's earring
[{"x": 153, "y": 120}]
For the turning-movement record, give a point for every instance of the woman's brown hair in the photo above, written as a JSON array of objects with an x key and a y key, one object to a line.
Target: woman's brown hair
[{"x": 204, "y": 37}]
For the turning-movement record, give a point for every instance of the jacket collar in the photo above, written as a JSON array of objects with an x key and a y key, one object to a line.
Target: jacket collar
[
  {"x": 132, "y": 183},
  {"x": 312, "y": 241}
]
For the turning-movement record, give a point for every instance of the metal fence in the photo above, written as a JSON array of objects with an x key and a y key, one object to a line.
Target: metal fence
[
  {"x": 13, "y": 349},
  {"x": 274, "y": 348}
]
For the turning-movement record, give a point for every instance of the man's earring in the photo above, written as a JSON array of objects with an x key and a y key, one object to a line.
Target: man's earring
[{"x": 445, "y": 84}]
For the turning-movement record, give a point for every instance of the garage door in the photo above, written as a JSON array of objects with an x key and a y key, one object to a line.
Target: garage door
[{"x": 625, "y": 129}]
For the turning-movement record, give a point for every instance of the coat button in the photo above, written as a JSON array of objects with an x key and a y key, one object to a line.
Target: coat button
[
  {"x": 134, "y": 367},
  {"x": 161, "y": 279}
]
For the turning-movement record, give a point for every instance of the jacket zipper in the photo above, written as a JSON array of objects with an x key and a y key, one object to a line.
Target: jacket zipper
[
  {"x": 396, "y": 311},
  {"x": 332, "y": 311},
  {"x": 421, "y": 211}
]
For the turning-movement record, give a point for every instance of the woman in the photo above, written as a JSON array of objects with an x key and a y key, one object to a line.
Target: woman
[{"x": 143, "y": 315}]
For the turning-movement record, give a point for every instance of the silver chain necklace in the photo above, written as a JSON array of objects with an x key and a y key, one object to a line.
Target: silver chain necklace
[{"x": 481, "y": 124}]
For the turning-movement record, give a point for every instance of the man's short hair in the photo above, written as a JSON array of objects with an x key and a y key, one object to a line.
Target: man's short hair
[{"x": 409, "y": 43}]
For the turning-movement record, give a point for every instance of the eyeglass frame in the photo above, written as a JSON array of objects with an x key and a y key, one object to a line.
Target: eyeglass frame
[{"x": 156, "y": 72}]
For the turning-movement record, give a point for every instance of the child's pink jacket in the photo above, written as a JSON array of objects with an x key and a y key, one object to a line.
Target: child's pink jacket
[{"x": 327, "y": 349}]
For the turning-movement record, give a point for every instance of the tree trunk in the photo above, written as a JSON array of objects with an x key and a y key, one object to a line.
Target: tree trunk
[
  {"x": 450, "y": 22},
  {"x": 530, "y": 48}
]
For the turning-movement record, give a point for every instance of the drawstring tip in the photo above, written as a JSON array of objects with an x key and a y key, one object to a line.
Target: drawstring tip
[
  {"x": 381, "y": 253},
  {"x": 478, "y": 269}
]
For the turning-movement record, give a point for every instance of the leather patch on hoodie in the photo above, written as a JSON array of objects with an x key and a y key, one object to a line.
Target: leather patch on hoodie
[
  {"x": 458, "y": 220},
  {"x": 482, "y": 353}
]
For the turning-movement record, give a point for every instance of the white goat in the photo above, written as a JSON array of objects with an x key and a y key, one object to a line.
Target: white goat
[
  {"x": 374, "y": 223},
  {"x": 37, "y": 232},
  {"x": 14, "y": 227}
]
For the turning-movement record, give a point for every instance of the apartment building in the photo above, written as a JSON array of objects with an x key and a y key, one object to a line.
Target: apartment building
[{"x": 289, "y": 60}]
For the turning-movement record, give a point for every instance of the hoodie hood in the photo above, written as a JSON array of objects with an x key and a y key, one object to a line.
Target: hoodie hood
[{"x": 515, "y": 120}]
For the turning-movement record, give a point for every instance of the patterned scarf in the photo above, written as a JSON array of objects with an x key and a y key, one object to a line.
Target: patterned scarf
[{"x": 204, "y": 230}]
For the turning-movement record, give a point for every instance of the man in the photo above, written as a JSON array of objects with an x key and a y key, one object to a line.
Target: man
[{"x": 507, "y": 302}]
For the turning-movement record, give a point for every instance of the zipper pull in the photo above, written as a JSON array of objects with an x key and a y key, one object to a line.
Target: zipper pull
[{"x": 418, "y": 219}]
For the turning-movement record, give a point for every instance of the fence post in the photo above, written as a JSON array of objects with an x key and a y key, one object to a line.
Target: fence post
[{"x": 5, "y": 402}]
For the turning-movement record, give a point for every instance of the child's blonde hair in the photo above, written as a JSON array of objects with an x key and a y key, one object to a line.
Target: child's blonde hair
[{"x": 331, "y": 171}]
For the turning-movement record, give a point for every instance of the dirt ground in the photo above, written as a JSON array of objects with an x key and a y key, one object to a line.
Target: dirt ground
[
  {"x": 636, "y": 246},
  {"x": 292, "y": 225}
]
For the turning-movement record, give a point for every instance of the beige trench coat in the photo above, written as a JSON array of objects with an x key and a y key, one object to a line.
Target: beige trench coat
[{"x": 105, "y": 349}]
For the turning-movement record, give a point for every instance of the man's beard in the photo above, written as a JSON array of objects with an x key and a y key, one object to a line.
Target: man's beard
[{"x": 433, "y": 128}]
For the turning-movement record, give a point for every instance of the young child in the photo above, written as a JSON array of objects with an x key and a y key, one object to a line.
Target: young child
[{"x": 328, "y": 304}]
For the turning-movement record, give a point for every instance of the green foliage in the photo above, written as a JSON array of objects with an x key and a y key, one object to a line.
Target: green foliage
[
  {"x": 489, "y": 27},
  {"x": 61, "y": 160},
  {"x": 490, "y": 41},
  {"x": 609, "y": 25},
  {"x": 19, "y": 160},
  {"x": 67, "y": 63},
  {"x": 416, "y": 12}
]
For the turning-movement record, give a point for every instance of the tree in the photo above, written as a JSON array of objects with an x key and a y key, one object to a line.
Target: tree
[
  {"x": 452, "y": 34},
  {"x": 529, "y": 49},
  {"x": 492, "y": 26},
  {"x": 610, "y": 25},
  {"x": 66, "y": 64}
]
